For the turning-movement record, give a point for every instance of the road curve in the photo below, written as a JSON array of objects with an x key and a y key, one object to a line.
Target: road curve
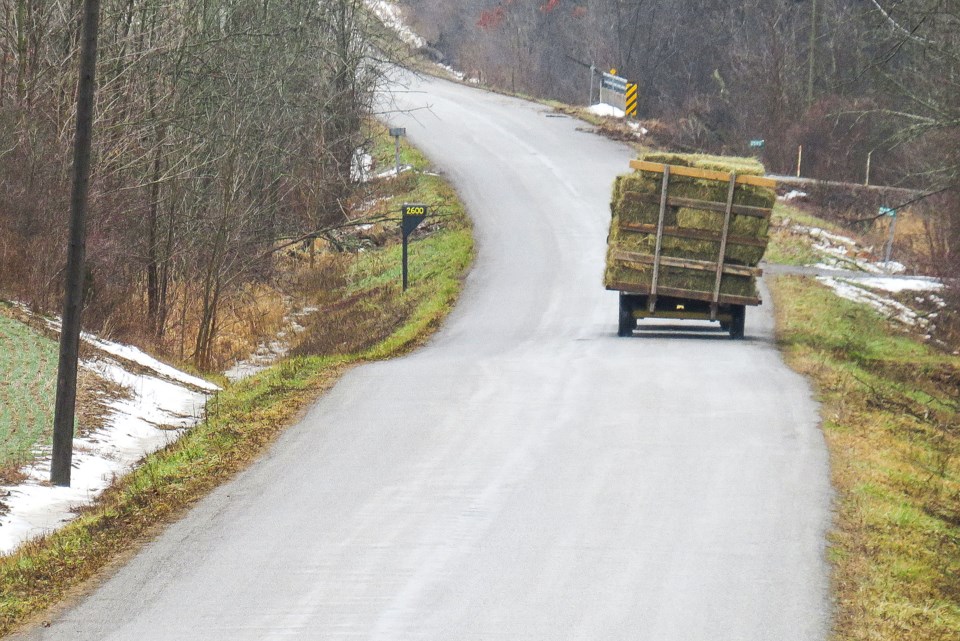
[{"x": 527, "y": 475}]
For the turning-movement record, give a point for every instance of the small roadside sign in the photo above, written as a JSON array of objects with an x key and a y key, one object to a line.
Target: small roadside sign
[
  {"x": 757, "y": 144},
  {"x": 614, "y": 83},
  {"x": 888, "y": 211},
  {"x": 411, "y": 215}
]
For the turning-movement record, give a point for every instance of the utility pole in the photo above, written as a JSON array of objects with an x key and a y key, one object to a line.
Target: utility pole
[
  {"x": 73, "y": 290},
  {"x": 812, "y": 54}
]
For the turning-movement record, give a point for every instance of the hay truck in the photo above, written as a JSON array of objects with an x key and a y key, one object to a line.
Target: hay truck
[{"x": 686, "y": 236}]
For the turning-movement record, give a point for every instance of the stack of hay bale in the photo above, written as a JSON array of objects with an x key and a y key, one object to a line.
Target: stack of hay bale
[{"x": 690, "y": 233}]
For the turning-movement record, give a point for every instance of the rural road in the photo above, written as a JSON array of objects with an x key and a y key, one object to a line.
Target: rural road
[{"x": 527, "y": 475}]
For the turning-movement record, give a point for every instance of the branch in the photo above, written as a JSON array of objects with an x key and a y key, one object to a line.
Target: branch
[
  {"x": 901, "y": 206},
  {"x": 898, "y": 27}
]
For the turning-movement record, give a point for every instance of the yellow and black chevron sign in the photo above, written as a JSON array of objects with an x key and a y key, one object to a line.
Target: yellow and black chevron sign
[{"x": 631, "y": 99}]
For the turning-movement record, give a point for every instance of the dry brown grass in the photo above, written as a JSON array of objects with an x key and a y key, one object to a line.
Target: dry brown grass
[{"x": 355, "y": 323}]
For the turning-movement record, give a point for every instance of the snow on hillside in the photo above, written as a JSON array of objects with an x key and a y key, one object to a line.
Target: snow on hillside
[
  {"x": 878, "y": 284},
  {"x": 390, "y": 15},
  {"x": 160, "y": 403}
]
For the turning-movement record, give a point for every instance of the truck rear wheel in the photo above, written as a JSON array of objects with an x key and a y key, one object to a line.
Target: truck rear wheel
[
  {"x": 627, "y": 322},
  {"x": 738, "y": 321}
]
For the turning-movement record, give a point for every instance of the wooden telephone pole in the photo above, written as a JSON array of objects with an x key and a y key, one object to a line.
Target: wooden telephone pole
[
  {"x": 812, "y": 54},
  {"x": 76, "y": 250}
]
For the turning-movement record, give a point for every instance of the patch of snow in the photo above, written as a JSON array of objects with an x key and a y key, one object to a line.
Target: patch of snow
[
  {"x": 880, "y": 279},
  {"x": 892, "y": 267},
  {"x": 896, "y": 285},
  {"x": 888, "y": 307},
  {"x": 390, "y": 14},
  {"x": 793, "y": 195},
  {"x": 155, "y": 414},
  {"x": 843, "y": 250},
  {"x": 360, "y": 166},
  {"x": 392, "y": 172},
  {"x": 603, "y": 109},
  {"x": 459, "y": 75},
  {"x": 271, "y": 351},
  {"x": 823, "y": 234},
  {"x": 135, "y": 355}
]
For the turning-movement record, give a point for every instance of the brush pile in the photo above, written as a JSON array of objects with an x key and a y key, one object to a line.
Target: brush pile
[{"x": 693, "y": 225}]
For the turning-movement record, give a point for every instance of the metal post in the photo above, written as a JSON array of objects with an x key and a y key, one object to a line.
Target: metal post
[
  {"x": 404, "y": 262},
  {"x": 73, "y": 289},
  {"x": 397, "y": 132},
  {"x": 593, "y": 70},
  {"x": 866, "y": 180},
  {"x": 893, "y": 231},
  {"x": 799, "y": 159},
  {"x": 397, "y": 140}
]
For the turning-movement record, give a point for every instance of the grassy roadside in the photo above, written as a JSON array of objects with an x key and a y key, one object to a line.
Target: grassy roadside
[
  {"x": 890, "y": 416},
  {"x": 244, "y": 419}
]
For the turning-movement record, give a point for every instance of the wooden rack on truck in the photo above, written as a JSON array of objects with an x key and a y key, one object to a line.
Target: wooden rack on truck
[{"x": 685, "y": 243}]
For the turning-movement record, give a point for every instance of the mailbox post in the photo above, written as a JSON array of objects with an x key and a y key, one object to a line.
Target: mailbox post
[
  {"x": 397, "y": 133},
  {"x": 412, "y": 214}
]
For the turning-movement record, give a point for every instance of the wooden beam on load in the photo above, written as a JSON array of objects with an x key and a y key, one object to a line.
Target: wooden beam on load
[
  {"x": 703, "y": 205},
  {"x": 664, "y": 191},
  {"x": 693, "y": 234},
  {"x": 685, "y": 263},
  {"x": 706, "y": 174},
  {"x": 728, "y": 216},
  {"x": 725, "y": 299}
]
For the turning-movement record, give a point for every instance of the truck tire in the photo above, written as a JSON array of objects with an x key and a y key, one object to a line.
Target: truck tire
[
  {"x": 627, "y": 322},
  {"x": 738, "y": 322}
]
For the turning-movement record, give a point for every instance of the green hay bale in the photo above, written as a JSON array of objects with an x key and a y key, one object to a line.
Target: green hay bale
[
  {"x": 745, "y": 226},
  {"x": 635, "y": 201},
  {"x": 692, "y": 248},
  {"x": 648, "y": 183},
  {"x": 728, "y": 164},
  {"x": 617, "y": 191},
  {"x": 632, "y": 208},
  {"x": 641, "y": 276}
]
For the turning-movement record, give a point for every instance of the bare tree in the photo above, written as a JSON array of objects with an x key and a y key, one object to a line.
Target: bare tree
[{"x": 224, "y": 124}]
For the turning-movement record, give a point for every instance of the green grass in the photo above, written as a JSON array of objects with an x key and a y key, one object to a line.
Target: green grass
[
  {"x": 28, "y": 367},
  {"x": 246, "y": 417},
  {"x": 890, "y": 417}
]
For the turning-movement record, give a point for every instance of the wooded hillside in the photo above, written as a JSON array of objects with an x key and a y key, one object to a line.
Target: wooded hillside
[
  {"x": 846, "y": 79},
  {"x": 221, "y": 126}
]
